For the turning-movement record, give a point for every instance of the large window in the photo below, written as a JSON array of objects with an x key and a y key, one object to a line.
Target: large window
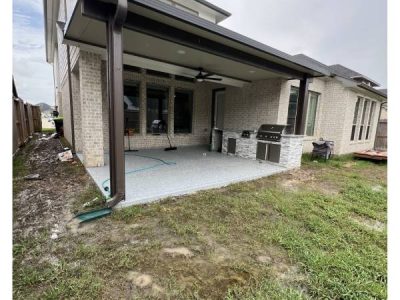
[
  {"x": 157, "y": 109},
  {"x": 364, "y": 112},
  {"x": 363, "y": 119},
  {"x": 312, "y": 113},
  {"x": 291, "y": 119},
  {"x": 355, "y": 119},
  {"x": 370, "y": 119},
  {"x": 131, "y": 107},
  {"x": 183, "y": 111}
]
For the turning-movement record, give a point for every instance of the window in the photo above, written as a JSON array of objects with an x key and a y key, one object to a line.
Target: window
[
  {"x": 355, "y": 119},
  {"x": 183, "y": 111},
  {"x": 312, "y": 112},
  {"x": 370, "y": 119},
  {"x": 157, "y": 110},
  {"x": 292, "y": 109},
  {"x": 363, "y": 119},
  {"x": 131, "y": 107}
]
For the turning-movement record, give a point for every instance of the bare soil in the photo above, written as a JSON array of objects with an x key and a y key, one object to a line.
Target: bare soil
[{"x": 45, "y": 205}]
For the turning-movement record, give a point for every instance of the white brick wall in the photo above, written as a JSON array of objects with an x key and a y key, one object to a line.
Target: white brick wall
[
  {"x": 334, "y": 114},
  {"x": 77, "y": 110},
  {"x": 91, "y": 109},
  {"x": 201, "y": 120},
  {"x": 254, "y": 104}
]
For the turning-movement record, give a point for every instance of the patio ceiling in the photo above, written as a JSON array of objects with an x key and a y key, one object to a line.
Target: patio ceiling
[{"x": 166, "y": 39}]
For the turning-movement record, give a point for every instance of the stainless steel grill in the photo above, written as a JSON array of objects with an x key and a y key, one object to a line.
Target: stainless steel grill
[{"x": 270, "y": 132}]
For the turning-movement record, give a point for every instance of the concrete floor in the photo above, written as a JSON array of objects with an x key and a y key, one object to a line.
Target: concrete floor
[{"x": 184, "y": 171}]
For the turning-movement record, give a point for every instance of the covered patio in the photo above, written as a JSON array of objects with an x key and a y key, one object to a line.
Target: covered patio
[
  {"x": 154, "y": 174},
  {"x": 155, "y": 36}
]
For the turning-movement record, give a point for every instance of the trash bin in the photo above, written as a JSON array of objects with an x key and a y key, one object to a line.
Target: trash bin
[{"x": 58, "y": 122}]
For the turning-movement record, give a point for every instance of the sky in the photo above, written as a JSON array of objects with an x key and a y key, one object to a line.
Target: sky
[
  {"x": 33, "y": 76},
  {"x": 348, "y": 32}
]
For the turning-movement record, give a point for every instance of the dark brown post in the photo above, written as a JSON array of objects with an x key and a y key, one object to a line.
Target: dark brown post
[
  {"x": 71, "y": 100},
  {"x": 116, "y": 102},
  {"x": 302, "y": 107}
]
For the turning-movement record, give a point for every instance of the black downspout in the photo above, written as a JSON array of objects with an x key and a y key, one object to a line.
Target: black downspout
[{"x": 116, "y": 105}]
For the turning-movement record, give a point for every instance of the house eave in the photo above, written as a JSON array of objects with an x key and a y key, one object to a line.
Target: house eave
[
  {"x": 50, "y": 9},
  {"x": 372, "y": 90}
]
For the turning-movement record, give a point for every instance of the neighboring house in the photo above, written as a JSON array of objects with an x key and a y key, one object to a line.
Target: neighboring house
[{"x": 165, "y": 44}]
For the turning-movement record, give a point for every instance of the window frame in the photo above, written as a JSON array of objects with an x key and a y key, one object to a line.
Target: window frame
[
  {"x": 356, "y": 115},
  {"x": 371, "y": 116},
  {"x": 316, "y": 112},
  {"x": 363, "y": 119},
  {"x": 296, "y": 89},
  {"x": 192, "y": 93},
  {"x": 166, "y": 89},
  {"x": 136, "y": 84}
]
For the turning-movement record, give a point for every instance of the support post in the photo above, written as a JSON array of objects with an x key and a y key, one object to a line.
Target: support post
[
  {"x": 116, "y": 98},
  {"x": 302, "y": 107}
]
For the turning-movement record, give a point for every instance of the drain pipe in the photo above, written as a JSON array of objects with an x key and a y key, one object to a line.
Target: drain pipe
[
  {"x": 115, "y": 98},
  {"x": 71, "y": 102}
]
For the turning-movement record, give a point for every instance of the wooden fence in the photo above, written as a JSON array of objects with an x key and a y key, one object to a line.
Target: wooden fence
[
  {"x": 26, "y": 121},
  {"x": 381, "y": 136}
]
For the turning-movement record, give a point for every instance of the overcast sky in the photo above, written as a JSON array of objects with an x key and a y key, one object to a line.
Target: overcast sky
[{"x": 349, "y": 32}]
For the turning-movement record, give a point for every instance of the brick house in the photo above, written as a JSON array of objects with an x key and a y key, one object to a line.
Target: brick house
[{"x": 166, "y": 42}]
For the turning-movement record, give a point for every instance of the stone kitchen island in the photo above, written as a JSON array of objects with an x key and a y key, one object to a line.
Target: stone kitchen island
[{"x": 286, "y": 152}]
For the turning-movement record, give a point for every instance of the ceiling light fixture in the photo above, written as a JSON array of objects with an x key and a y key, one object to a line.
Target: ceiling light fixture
[
  {"x": 252, "y": 71},
  {"x": 181, "y": 52}
]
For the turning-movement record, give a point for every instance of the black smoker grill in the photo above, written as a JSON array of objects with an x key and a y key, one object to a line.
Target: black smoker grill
[
  {"x": 323, "y": 149},
  {"x": 269, "y": 132}
]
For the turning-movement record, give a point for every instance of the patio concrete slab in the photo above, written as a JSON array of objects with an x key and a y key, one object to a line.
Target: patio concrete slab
[{"x": 154, "y": 174}]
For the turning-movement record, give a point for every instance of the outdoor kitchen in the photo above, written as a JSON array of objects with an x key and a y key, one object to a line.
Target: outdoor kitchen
[{"x": 269, "y": 144}]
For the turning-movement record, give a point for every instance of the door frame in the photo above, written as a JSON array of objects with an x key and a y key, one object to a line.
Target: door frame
[{"x": 214, "y": 94}]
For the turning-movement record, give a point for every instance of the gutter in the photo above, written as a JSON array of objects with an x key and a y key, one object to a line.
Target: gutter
[
  {"x": 214, "y": 7},
  {"x": 371, "y": 89}
]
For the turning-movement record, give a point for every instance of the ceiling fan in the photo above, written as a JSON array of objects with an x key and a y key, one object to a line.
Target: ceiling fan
[{"x": 203, "y": 75}]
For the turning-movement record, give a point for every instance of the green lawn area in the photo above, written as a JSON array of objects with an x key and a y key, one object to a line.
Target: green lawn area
[{"x": 314, "y": 233}]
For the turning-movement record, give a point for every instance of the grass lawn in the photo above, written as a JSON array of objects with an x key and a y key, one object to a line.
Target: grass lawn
[
  {"x": 48, "y": 130},
  {"x": 314, "y": 233}
]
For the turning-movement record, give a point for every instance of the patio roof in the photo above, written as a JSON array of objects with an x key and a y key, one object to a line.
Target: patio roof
[{"x": 187, "y": 42}]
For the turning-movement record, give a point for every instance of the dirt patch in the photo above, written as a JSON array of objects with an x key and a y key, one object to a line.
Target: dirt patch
[
  {"x": 44, "y": 204},
  {"x": 140, "y": 280},
  {"x": 280, "y": 265},
  {"x": 296, "y": 179},
  {"x": 180, "y": 251},
  {"x": 350, "y": 164},
  {"x": 368, "y": 223},
  {"x": 264, "y": 259},
  {"x": 145, "y": 283}
]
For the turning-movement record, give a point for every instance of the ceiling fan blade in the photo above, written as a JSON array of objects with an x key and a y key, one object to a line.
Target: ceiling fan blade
[
  {"x": 208, "y": 74},
  {"x": 213, "y": 78}
]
